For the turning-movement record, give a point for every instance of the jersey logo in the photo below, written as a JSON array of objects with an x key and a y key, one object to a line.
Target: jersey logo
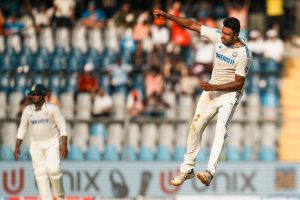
[
  {"x": 225, "y": 59},
  {"x": 40, "y": 121},
  {"x": 234, "y": 54}
]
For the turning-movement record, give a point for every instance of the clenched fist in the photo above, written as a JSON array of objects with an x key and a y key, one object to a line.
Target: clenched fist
[{"x": 159, "y": 13}]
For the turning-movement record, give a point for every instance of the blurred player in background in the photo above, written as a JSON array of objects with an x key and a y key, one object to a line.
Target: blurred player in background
[
  {"x": 220, "y": 95},
  {"x": 47, "y": 129}
]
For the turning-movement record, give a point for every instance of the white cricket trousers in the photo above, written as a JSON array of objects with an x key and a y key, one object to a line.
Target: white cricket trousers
[
  {"x": 46, "y": 163},
  {"x": 210, "y": 104}
]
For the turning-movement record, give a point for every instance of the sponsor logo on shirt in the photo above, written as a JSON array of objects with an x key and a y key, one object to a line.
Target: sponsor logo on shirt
[
  {"x": 40, "y": 121},
  {"x": 225, "y": 59}
]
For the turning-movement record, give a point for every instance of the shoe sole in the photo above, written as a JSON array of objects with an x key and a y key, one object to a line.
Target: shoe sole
[
  {"x": 178, "y": 183},
  {"x": 203, "y": 179}
]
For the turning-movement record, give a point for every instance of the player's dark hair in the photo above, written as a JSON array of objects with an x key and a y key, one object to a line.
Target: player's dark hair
[{"x": 232, "y": 23}]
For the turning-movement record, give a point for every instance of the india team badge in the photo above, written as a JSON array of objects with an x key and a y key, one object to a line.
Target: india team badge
[{"x": 234, "y": 54}]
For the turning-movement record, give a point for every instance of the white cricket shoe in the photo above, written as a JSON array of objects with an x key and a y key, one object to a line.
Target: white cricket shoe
[
  {"x": 181, "y": 177},
  {"x": 205, "y": 177}
]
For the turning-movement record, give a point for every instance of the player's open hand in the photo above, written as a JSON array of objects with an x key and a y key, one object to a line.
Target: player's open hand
[
  {"x": 63, "y": 150},
  {"x": 207, "y": 86},
  {"x": 159, "y": 13},
  {"x": 16, "y": 153}
]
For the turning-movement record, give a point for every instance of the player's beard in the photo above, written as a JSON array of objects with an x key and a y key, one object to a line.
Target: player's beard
[{"x": 38, "y": 102}]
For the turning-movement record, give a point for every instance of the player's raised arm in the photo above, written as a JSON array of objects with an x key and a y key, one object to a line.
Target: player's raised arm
[{"x": 185, "y": 22}]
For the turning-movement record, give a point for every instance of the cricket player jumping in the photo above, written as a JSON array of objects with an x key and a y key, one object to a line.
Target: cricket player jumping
[
  {"x": 47, "y": 129},
  {"x": 221, "y": 94}
]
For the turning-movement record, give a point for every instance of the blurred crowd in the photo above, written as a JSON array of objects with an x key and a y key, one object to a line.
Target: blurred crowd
[{"x": 112, "y": 59}]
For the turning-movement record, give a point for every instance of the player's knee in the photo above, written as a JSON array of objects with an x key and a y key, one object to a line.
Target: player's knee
[
  {"x": 40, "y": 172},
  {"x": 54, "y": 172}
]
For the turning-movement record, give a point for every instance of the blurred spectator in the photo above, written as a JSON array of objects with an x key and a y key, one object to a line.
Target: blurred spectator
[
  {"x": 23, "y": 103},
  {"x": 275, "y": 13},
  {"x": 135, "y": 105},
  {"x": 292, "y": 47},
  {"x": 188, "y": 84},
  {"x": 29, "y": 32},
  {"x": 42, "y": 16},
  {"x": 179, "y": 35},
  {"x": 203, "y": 15},
  {"x": 139, "y": 62},
  {"x": 87, "y": 81},
  {"x": 93, "y": 17},
  {"x": 124, "y": 17},
  {"x": 257, "y": 15},
  {"x": 204, "y": 56},
  {"x": 102, "y": 103},
  {"x": 64, "y": 13},
  {"x": 172, "y": 70},
  {"x": 109, "y": 7},
  {"x": 273, "y": 46},
  {"x": 273, "y": 52},
  {"x": 154, "y": 81},
  {"x": 119, "y": 72},
  {"x": 2, "y": 38},
  {"x": 255, "y": 43},
  {"x": 141, "y": 29},
  {"x": 157, "y": 56},
  {"x": 12, "y": 30},
  {"x": 53, "y": 98},
  {"x": 240, "y": 11},
  {"x": 155, "y": 106},
  {"x": 127, "y": 44},
  {"x": 256, "y": 46},
  {"x": 160, "y": 33}
]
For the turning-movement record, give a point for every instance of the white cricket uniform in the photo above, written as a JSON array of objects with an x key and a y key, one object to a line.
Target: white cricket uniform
[
  {"x": 227, "y": 62},
  {"x": 45, "y": 126}
]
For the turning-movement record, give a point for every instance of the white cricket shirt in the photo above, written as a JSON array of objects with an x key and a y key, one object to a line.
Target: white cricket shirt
[
  {"x": 45, "y": 125},
  {"x": 228, "y": 61}
]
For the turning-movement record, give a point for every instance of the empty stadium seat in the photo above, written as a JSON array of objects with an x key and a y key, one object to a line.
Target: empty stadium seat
[
  {"x": 39, "y": 65},
  {"x": 3, "y": 104},
  {"x": 131, "y": 142},
  {"x": 119, "y": 104},
  {"x": 180, "y": 140},
  {"x": 6, "y": 63},
  {"x": 146, "y": 153},
  {"x": 110, "y": 153},
  {"x": 163, "y": 153},
  {"x": 93, "y": 153},
  {"x": 148, "y": 141},
  {"x": 98, "y": 137},
  {"x": 46, "y": 40},
  {"x": 179, "y": 153},
  {"x": 14, "y": 100},
  {"x": 75, "y": 153},
  {"x": 6, "y": 153},
  {"x": 20, "y": 82},
  {"x": 114, "y": 141},
  {"x": 54, "y": 83},
  {"x": 62, "y": 39},
  {"x": 83, "y": 106},
  {"x": 95, "y": 40},
  {"x": 170, "y": 98},
  {"x": 80, "y": 136},
  {"x": 79, "y": 38},
  {"x": 56, "y": 64},
  {"x": 165, "y": 141},
  {"x": 185, "y": 107},
  {"x": 129, "y": 153},
  {"x": 4, "y": 83},
  {"x": 67, "y": 105},
  {"x": 70, "y": 83}
]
